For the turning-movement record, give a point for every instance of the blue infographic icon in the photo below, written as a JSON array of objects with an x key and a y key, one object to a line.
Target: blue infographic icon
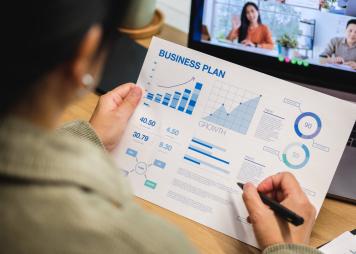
[
  {"x": 296, "y": 155},
  {"x": 307, "y": 125}
]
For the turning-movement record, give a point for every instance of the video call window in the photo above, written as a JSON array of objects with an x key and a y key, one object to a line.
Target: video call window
[{"x": 322, "y": 32}]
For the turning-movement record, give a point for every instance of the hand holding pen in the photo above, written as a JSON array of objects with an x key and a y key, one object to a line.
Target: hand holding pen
[{"x": 268, "y": 226}]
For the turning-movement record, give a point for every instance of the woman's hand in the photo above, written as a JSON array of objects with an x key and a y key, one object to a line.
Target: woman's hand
[
  {"x": 235, "y": 22},
  {"x": 248, "y": 43},
  {"x": 112, "y": 113},
  {"x": 270, "y": 229}
]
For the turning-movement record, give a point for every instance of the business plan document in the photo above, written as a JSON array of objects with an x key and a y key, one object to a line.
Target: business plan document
[{"x": 204, "y": 124}]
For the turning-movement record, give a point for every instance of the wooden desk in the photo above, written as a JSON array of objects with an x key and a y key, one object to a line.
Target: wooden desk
[{"x": 335, "y": 217}]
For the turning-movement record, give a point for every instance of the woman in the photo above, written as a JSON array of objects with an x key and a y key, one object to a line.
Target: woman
[
  {"x": 250, "y": 31},
  {"x": 60, "y": 191}
]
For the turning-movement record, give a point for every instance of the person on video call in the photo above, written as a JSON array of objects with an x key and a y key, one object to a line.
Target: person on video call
[
  {"x": 60, "y": 190},
  {"x": 249, "y": 30},
  {"x": 342, "y": 50}
]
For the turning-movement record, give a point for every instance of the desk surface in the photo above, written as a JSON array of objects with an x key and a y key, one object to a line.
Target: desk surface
[{"x": 334, "y": 218}]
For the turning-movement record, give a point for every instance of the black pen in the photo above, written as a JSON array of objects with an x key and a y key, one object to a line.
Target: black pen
[{"x": 279, "y": 209}]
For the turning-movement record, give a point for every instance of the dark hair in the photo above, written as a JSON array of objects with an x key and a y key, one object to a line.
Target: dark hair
[
  {"x": 43, "y": 34},
  {"x": 351, "y": 21},
  {"x": 245, "y": 23}
]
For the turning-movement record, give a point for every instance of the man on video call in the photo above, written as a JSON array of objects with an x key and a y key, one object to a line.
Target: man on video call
[{"x": 342, "y": 50}]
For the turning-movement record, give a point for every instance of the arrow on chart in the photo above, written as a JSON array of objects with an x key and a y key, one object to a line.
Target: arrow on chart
[{"x": 181, "y": 84}]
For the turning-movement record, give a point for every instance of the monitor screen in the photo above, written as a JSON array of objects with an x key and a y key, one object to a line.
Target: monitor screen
[{"x": 312, "y": 41}]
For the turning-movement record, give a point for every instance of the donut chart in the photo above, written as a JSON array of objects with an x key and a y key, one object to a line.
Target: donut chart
[
  {"x": 307, "y": 125},
  {"x": 296, "y": 155}
]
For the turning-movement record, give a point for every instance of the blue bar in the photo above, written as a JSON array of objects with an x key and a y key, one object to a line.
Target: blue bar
[
  {"x": 146, "y": 104},
  {"x": 199, "y": 149},
  {"x": 159, "y": 164},
  {"x": 191, "y": 105},
  {"x": 200, "y": 162},
  {"x": 201, "y": 143},
  {"x": 149, "y": 96},
  {"x": 131, "y": 152},
  {"x": 184, "y": 100},
  {"x": 166, "y": 99},
  {"x": 207, "y": 144},
  {"x": 175, "y": 99},
  {"x": 188, "y": 158},
  {"x": 208, "y": 155},
  {"x": 158, "y": 98},
  {"x": 198, "y": 86},
  {"x": 193, "y": 100}
]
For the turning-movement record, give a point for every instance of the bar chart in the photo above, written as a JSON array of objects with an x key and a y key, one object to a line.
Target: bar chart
[
  {"x": 203, "y": 153},
  {"x": 183, "y": 101}
]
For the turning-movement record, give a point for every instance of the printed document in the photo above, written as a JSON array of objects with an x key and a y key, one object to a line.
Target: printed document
[
  {"x": 204, "y": 124},
  {"x": 343, "y": 244}
]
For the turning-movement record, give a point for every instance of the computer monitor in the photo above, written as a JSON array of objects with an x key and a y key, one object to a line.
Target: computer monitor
[{"x": 308, "y": 41}]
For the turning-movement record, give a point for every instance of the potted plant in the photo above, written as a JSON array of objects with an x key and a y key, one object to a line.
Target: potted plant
[
  {"x": 142, "y": 20},
  {"x": 139, "y": 14},
  {"x": 285, "y": 43},
  {"x": 327, "y": 5},
  {"x": 324, "y": 5}
]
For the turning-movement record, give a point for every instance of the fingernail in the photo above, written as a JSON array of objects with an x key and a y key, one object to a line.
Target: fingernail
[{"x": 136, "y": 91}]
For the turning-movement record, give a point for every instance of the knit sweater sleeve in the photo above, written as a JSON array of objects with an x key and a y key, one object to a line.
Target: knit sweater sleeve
[
  {"x": 290, "y": 249},
  {"x": 81, "y": 129}
]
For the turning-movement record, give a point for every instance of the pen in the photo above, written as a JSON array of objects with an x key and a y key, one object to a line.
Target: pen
[{"x": 282, "y": 211}]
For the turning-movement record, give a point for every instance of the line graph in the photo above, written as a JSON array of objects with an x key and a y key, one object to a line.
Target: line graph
[
  {"x": 231, "y": 107},
  {"x": 180, "y": 84}
]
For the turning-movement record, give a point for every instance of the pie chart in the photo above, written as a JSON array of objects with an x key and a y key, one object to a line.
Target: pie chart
[
  {"x": 296, "y": 155},
  {"x": 307, "y": 125}
]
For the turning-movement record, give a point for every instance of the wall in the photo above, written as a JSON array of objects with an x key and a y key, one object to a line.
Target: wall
[{"x": 177, "y": 13}]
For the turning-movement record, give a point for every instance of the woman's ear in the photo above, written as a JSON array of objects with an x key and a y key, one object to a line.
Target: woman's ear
[{"x": 84, "y": 68}]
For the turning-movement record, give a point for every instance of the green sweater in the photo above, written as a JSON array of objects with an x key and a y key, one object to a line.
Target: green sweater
[{"x": 60, "y": 192}]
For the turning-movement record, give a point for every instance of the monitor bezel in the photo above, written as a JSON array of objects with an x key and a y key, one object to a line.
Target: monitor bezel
[{"x": 312, "y": 75}]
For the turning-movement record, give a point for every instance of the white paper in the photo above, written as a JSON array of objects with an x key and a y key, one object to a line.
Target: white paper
[
  {"x": 244, "y": 127},
  {"x": 343, "y": 244}
]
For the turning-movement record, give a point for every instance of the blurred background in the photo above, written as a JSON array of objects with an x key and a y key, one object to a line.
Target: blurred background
[{"x": 176, "y": 13}]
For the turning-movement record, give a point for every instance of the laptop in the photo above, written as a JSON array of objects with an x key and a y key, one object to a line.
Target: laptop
[
  {"x": 343, "y": 184},
  {"x": 292, "y": 43}
]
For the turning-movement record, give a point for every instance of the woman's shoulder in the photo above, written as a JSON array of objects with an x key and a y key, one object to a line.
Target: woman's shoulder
[{"x": 53, "y": 159}]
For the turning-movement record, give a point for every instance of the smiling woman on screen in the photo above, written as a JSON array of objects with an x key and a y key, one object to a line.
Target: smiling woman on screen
[{"x": 249, "y": 30}]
